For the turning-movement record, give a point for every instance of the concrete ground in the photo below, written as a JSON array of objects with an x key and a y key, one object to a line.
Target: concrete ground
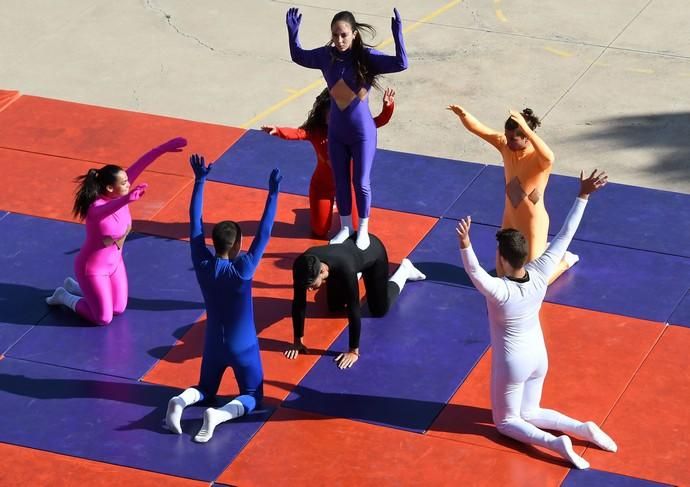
[{"x": 611, "y": 78}]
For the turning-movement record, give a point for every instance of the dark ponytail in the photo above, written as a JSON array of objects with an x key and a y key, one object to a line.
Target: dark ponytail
[
  {"x": 317, "y": 115},
  {"x": 532, "y": 121},
  {"x": 91, "y": 185},
  {"x": 360, "y": 56}
]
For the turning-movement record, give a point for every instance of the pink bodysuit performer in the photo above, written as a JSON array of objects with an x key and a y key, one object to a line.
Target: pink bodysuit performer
[{"x": 102, "y": 199}]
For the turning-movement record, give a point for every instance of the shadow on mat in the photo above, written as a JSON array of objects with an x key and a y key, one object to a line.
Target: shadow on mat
[{"x": 444, "y": 273}]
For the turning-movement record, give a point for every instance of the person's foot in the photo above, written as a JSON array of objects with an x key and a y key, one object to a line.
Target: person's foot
[
  {"x": 174, "y": 415},
  {"x": 413, "y": 274},
  {"x": 58, "y": 297},
  {"x": 593, "y": 433},
  {"x": 342, "y": 235},
  {"x": 570, "y": 258},
  {"x": 72, "y": 286},
  {"x": 362, "y": 240},
  {"x": 564, "y": 447}
]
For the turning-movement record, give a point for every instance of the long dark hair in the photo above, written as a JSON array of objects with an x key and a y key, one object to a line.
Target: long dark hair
[
  {"x": 316, "y": 119},
  {"x": 532, "y": 121},
  {"x": 91, "y": 185},
  {"x": 360, "y": 56}
]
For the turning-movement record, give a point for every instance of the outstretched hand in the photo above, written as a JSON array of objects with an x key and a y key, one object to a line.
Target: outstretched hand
[
  {"x": 346, "y": 359},
  {"x": 592, "y": 183},
  {"x": 457, "y": 109},
  {"x": 174, "y": 145},
  {"x": 274, "y": 181},
  {"x": 389, "y": 97},
  {"x": 463, "y": 231},
  {"x": 270, "y": 129},
  {"x": 293, "y": 352},
  {"x": 396, "y": 22},
  {"x": 199, "y": 166},
  {"x": 137, "y": 192},
  {"x": 293, "y": 19}
]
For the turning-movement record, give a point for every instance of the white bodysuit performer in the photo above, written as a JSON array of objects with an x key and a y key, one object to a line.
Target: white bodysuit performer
[{"x": 519, "y": 359}]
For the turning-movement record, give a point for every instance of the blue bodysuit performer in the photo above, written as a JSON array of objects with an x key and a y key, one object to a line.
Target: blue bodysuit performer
[
  {"x": 350, "y": 69},
  {"x": 226, "y": 284}
]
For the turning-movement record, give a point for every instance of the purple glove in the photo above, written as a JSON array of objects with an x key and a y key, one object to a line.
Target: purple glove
[
  {"x": 396, "y": 23},
  {"x": 274, "y": 181},
  {"x": 199, "y": 166},
  {"x": 293, "y": 19}
]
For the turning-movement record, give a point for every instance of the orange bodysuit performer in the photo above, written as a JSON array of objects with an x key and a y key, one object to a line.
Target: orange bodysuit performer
[
  {"x": 527, "y": 162},
  {"x": 315, "y": 130}
]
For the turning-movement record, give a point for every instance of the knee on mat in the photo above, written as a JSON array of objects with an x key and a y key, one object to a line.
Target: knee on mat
[{"x": 104, "y": 319}]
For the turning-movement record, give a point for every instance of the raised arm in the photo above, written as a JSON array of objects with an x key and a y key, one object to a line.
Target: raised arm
[
  {"x": 387, "y": 109},
  {"x": 477, "y": 128},
  {"x": 491, "y": 287},
  {"x": 314, "y": 58},
  {"x": 545, "y": 153},
  {"x": 100, "y": 211},
  {"x": 246, "y": 265},
  {"x": 196, "y": 225},
  {"x": 381, "y": 63},
  {"x": 286, "y": 133},
  {"x": 173, "y": 145},
  {"x": 546, "y": 264}
]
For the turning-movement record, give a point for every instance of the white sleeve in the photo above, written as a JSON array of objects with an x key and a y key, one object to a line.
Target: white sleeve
[
  {"x": 547, "y": 262},
  {"x": 492, "y": 288}
]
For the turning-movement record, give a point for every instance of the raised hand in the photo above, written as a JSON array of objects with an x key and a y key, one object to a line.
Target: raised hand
[
  {"x": 137, "y": 192},
  {"x": 199, "y": 166},
  {"x": 174, "y": 145},
  {"x": 270, "y": 129},
  {"x": 520, "y": 120},
  {"x": 463, "y": 231},
  {"x": 592, "y": 183},
  {"x": 388, "y": 97},
  {"x": 293, "y": 19},
  {"x": 457, "y": 109},
  {"x": 396, "y": 23},
  {"x": 274, "y": 181}
]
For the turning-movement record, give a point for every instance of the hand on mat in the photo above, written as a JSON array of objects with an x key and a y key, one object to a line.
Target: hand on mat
[
  {"x": 592, "y": 183},
  {"x": 174, "y": 145},
  {"x": 463, "y": 231},
  {"x": 457, "y": 109},
  {"x": 199, "y": 166},
  {"x": 292, "y": 352},
  {"x": 388, "y": 97},
  {"x": 270, "y": 129},
  {"x": 274, "y": 181},
  {"x": 346, "y": 360},
  {"x": 293, "y": 19},
  {"x": 137, "y": 192},
  {"x": 520, "y": 120},
  {"x": 396, "y": 23}
]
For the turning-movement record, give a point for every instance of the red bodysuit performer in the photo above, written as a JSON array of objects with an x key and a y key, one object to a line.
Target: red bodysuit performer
[{"x": 315, "y": 130}]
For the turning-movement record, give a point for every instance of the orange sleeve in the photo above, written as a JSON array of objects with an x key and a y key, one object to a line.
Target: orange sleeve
[
  {"x": 288, "y": 133},
  {"x": 384, "y": 117}
]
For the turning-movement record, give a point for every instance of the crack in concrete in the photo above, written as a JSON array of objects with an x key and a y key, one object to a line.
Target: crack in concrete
[{"x": 168, "y": 18}]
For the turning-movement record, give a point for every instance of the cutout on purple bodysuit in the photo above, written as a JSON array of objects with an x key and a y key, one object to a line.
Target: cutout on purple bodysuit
[{"x": 343, "y": 94}]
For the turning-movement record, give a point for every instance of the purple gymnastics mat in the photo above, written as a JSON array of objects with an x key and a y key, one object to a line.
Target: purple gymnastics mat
[
  {"x": 611, "y": 279},
  {"x": 3, "y": 214},
  {"x": 412, "y": 360},
  {"x": 111, "y": 420},
  {"x": 622, "y": 215},
  {"x": 399, "y": 181},
  {"x": 598, "y": 478},
  {"x": 164, "y": 300},
  {"x": 681, "y": 315}
]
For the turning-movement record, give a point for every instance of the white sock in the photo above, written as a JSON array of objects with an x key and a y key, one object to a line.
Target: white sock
[
  {"x": 72, "y": 286},
  {"x": 570, "y": 258},
  {"x": 406, "y": 272},
  {"x": 214, "y": 417},
  {"x": 177, "y": 404},
  {"x": 61, "y": 296},
  {"x": 591, "y": 432},
  {"x": 564, "y": 447},
  {"x": 363, "y": 234},
  {"x": 345, "y": 230}
]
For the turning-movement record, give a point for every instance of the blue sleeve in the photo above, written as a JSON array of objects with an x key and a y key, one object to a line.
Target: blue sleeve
[
  {"x": 383, "y": 63},
  {"x": 246, "y": 265},
  {"x": 313, "y": 58},
  {"x": 196, "y": 225}
]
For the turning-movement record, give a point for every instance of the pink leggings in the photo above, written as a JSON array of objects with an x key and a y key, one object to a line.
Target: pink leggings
[{"x": 104, "y": 296}]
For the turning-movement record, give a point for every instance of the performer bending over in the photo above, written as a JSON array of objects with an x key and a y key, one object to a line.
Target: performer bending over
[
  {"x": 102, "y": 200},
  {"x": 350, "y": 68},
  {"x": 519, "y": 361},
  {"x": 337, "y": 266},
  {"x": 315, "y": 130},
  {"x": 226, "y": 284},
  {"x": 527, "y": 162}
]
